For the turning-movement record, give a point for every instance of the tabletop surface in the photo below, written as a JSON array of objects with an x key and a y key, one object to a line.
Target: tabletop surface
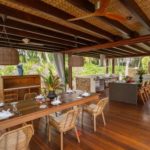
[{"x": 30, "y": 109}]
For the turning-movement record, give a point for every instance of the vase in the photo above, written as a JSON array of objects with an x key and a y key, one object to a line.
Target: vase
[
  {"x": 51, "y": 95},
  {"x": 140, "y": 78}
]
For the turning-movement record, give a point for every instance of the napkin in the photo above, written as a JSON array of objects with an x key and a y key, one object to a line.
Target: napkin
[
  {"x": 39, "y": 96},
  {"x": 5, "y": 114},
  {"x": 56, "y": 102},
  {"x": 69, "y": 91},
  {"x": 79, "y": 97},
  {"x": 85, "y": 94},
  {"x": 1, "y": 104},
  {"x": 43, "y": 106}
]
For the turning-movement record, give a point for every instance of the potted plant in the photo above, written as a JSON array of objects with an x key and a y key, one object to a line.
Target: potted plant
[
  {"x": 52, "y": 83},
  {"x": 140, "y": 72}
]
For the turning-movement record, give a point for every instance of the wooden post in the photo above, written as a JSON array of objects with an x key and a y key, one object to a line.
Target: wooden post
[
  {"x": 70, "y": 71},
  {"x": 64, "y": 71},
  {"x": 113, "y": 65},
  {"x": 107, "y": 65}
]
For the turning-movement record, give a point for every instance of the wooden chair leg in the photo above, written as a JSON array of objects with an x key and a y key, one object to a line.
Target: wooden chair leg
[
  {"x": 49, "y": 133},
  {"x": 94, "y": 123},
  {"x": 61, "y": 140},
  {"x": 77, "y": 134},
  {"x": 103, "y": 119},
  {"x": 82, "y": 117}
]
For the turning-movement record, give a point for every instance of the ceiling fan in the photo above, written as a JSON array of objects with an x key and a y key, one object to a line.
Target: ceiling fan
[
  {"x": 101, "y": 10},
  {"x": 27, "y": 41}
]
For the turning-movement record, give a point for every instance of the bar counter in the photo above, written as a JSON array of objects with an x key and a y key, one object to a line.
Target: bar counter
[{"x": 123, "y": 92}]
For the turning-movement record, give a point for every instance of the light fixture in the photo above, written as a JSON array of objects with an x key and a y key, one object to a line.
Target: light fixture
[
  {"x": 77, "y": 61},
  {"x": 8, "y": 55}
]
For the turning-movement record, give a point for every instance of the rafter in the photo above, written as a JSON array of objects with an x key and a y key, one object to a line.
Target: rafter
[
  {"x": 49, "y": 9},
  {"x": 21, "y": 33},
  {"x": 43, "y": 32},
  {"x": 111, "y": 44},
  {"x": 36, "y": 47},
  {"x": 46, "y": 24}
]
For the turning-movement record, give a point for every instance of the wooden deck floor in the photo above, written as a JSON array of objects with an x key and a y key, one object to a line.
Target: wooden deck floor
[{"x": 128, "y": 128}]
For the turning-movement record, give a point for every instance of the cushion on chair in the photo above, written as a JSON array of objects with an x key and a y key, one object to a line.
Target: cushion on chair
[{"x": 90, "y": 108}]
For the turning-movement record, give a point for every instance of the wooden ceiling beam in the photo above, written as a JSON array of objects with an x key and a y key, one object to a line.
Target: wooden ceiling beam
[
  {"x": 129, "y": 49},
  {"x": 88, "y": 6},
  {"x": 133, "y": 7},
  {"x": 43, "y": 32},
  {"x": 98, "y": 55},
  {"x": 49, "y": 9},
  {"x": 19, "y": 39},
  {"x": 140, "y": 48},
  {"x": 113, "y": 50},
  {"x": 111, "y": 44},
  {"x": 122, "y": 50},
  {"x": 20, "y": 16},
  {"x": 27, "y": 18},
  {"x": 129, "y": 56},
  {"x": 105, "y": 52},
  {"x": 28, "y": 46},
  {"x": 40, "y": 38}
]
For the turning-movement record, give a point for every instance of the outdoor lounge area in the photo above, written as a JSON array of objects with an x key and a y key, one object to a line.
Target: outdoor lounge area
[{"x": 74, "y": 75}]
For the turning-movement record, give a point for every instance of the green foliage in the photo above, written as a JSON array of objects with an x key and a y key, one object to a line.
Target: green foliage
[
  {"x": 52, "y": 82},
  {"x": 141, "y": 71},
  {"x": 90, "y": 69},
  {"x": 145, "y": 61},
  {"x": 7, "y": 70},
  {"x": 93, "y": 69}
]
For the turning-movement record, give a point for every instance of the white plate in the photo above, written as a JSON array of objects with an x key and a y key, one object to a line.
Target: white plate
[
  {"x": 85, "y": 94},
  {"x": 1, "y": 104},
  {"x": 56, "y": 102},
  {"x": 6, "y": 116},
  {"x": 43, "y": 106},
  {"x": 79, "y": 97}
]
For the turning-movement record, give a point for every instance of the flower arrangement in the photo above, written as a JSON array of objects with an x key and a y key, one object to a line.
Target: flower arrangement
[
  {"x": 52, "y": 82},
  {"x": 141, "y": 72}
]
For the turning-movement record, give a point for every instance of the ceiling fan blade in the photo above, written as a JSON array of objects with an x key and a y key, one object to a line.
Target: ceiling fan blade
[
  {"x": 115, "y": 17},
  {"x": 33, "y": 43},
  {"x": 99, "y": 12},
  {"x": 83, "y": 17}
]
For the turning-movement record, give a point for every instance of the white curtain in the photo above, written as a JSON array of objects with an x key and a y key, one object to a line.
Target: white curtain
[{"x": 59, "y": 63}]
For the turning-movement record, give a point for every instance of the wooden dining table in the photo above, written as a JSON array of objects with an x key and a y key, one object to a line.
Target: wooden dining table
[{"x": 28, "y": 110}]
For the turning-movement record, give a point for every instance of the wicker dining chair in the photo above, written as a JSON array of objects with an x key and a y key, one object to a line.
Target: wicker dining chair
[
  {"x": 147, "y": 92},
  {"x": 30, "y": 96},
  {"x": 96, "y": 110},
  {"x": 143, "y": 96},
  {"x": 63, "y": 123},
  {"x": 17, "y": 139}
]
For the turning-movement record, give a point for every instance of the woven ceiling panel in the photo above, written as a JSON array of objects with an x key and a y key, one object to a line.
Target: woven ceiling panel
[
  {"x": 29, "y": 10},
  {"x": 115, "y": 6},
  {"x": 145, "y": 6},
  {"x": 71, "y": 9}
]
